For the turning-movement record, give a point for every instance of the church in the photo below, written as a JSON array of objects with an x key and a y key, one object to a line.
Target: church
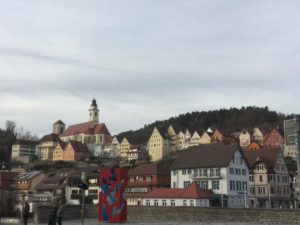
[{"x": 91, "y": 133}]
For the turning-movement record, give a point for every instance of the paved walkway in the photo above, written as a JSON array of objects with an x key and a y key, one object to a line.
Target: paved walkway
[{"x": 96, "y": 222}]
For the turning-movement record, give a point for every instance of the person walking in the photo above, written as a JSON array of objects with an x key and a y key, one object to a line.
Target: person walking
[
  {"x": 60, "y": 212},
  {"x": 26, "y": 212},
  {"x": 53, "y": 212}
]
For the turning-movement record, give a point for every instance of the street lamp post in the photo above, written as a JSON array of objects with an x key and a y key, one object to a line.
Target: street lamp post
[
  {"x": 22, "y": 209},
  {"x": 2, "y": 188},
  {"x": 269, "y": 187}
]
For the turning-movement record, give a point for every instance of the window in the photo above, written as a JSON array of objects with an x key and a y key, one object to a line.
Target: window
[
  {"x": 148, "y": 178},
  {"x": 93, "y": 191},
  {"x": 231, "y": 170},
  {"x": 155, "y": 203},
  {"x": 141, "y": 178},
  {"x": 205, "y": 172},
  {"x": 238, "y": 186},
  {"x": 174, "y": 184},
  {"x": 172, "y": 202},
  {"x": 131, "y": 179},
  {"x": 251, "y": 178},
  {"x": 184, "y": 203},
  {"x": 215, "y": 185},
  {"x": 218, "y": 171},
  {"x": 261, "y": 190},
  {"x": 195, "y": 172},
  {"x": 164, "y": 203},
  {"x": 244, "y": 171},
  {"x": 183, "y": 172},
  {"x": 191, "y": 203},
  {"x": 232, "y": 185},
  {"x": 205, "y": 184},
  {"x": 147, "y": 203},
  {"x": 211, "y": 172},
  {"x": 174, "y": 173},
  {"x": 260, "y": 178},
  {"x": 186, "y": 184},
  {"x": 189, "y": 171}
]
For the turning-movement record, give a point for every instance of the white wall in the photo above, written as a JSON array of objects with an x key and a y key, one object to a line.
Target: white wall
[
  {"x": 235, "y": 197},
  {"x": 178, "y": 201}
]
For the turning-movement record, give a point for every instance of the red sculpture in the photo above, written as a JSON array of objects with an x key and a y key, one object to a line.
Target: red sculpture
[{"x": 112, "y": 204}]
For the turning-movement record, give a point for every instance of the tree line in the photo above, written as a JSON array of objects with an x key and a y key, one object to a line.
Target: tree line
[
  {"x": 8, "y": 137},
  {"x": 226, "y": 120}
]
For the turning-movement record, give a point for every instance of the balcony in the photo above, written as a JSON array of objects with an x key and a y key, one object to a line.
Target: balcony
[{"x": 206, "y": 176}]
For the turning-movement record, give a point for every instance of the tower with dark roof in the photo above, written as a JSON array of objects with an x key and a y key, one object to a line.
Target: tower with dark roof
[
  {"x": 58, "y": 127},
  {"x": 94, "y": 112}
]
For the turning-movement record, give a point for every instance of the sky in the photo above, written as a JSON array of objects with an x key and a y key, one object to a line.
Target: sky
[{"x": 144, "y": 60}]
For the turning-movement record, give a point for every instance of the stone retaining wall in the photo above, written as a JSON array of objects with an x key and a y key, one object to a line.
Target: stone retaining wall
[{"x": 144, "y": 213}]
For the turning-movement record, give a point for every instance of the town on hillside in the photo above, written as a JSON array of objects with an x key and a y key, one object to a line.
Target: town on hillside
[{"x": 249, "y": 168}]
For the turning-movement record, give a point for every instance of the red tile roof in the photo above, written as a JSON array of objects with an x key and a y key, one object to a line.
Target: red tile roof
[
  {"x": 79, "y": 147},
  {"x": 149, "y": 169},
  {"x": 192, "y": 191},
  {"x": 88, "y": 127},
  {"x": 50, "y": 138},
  {"x": 269, "y": 156}
]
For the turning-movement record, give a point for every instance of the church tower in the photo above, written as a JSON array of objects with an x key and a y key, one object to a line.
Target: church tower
[
  {"x": 58, "y": 127},
  {"x": 94, "y": 112}
]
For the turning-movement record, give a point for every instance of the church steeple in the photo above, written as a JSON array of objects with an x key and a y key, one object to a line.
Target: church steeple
[{"x": 94, "y": 112}]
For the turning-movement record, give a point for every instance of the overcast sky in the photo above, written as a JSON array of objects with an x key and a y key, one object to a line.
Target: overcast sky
[{"x": 144, "y": 60}]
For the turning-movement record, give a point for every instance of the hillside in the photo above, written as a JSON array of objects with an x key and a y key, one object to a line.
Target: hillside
[{"x": 226, "y": 120}]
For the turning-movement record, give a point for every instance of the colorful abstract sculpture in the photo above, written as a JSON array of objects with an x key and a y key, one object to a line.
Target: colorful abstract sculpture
[{"x": 112, "y": 203}]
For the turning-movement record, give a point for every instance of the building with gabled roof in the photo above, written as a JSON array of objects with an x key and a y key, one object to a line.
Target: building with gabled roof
[
  {"x": 273, "y": 139},
  {"x": 195, "y": 139},
  {"x": 52, "y": 187},
  {"x": 257, "y": 135},
  {"x": 47, "y": 145},
  {"x": 115, "y": 147},
  {"x": 269, "y": 178},
  {"x": 222, "y": 168},
  {"x": 158, "y": 144},
  {"x": 205, "y": 138},
  {"x": 75, "y": 150},
  {"x": 193, "y": 195},
  {"x": 143, "y": 178},
  {"x": 217, "y": 136},
  {"x": 180, "y": 140},
  {"x": 244, "y": 137}
]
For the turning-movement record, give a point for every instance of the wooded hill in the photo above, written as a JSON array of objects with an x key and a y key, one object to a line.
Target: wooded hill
[{"x": 226, "y": 120}]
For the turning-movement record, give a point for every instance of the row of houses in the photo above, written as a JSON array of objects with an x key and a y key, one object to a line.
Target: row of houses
[
  {"x": 205, "y": 176},
  {"x": 161, "y": 142},
  {"x": 96, "y": 138}
]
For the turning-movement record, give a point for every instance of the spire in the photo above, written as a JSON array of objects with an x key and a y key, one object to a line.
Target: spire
[{"x": 94, "y": 103}]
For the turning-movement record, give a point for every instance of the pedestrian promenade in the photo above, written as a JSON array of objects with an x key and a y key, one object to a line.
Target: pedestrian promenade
[{"x": 96, "y": 222}]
